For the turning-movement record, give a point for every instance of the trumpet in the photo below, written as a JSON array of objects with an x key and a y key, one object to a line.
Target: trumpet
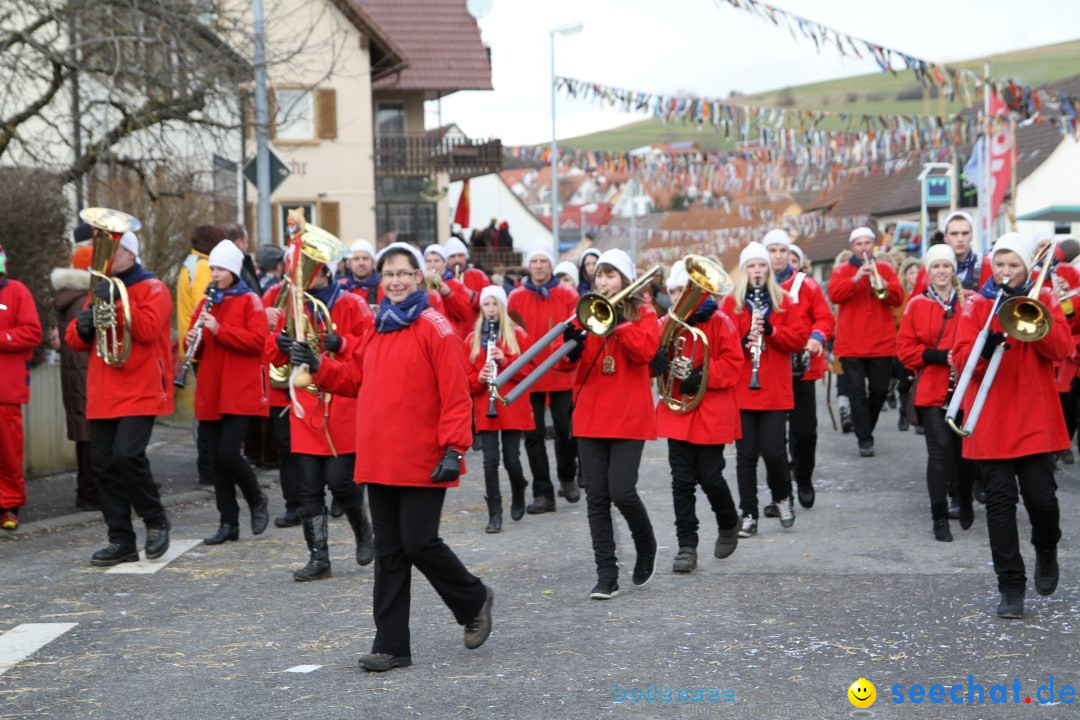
[
  {"x": 759, "y": 345},
  {"x": 181, "y": 378},
  {"x": 432, "y": 281},
  {"x": 877, "y": 283}
]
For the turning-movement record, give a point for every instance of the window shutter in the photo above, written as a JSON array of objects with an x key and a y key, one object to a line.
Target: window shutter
[
  {"x": 326, "y": 112},
  {"x": 330, "y": 217}
]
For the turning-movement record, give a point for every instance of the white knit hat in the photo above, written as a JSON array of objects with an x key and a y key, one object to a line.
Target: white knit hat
[
  {"x": 861, "y": 232},
  {"x": 567, "y": 268},
  {"x": 939, "y": 252},
  {"x": 1015, "y": 243},
  {"x": 539, "y": 250},
  {"x": 130, "y": 242},
  {"x": 796, "y": 250},
  {"x": 751, "y": 251},
  {"x": 454, "y": 246},
  {"x": 402, "y": 246},
  {"x": 776, "y": 237},
  {"x": 619, "y": 260},
  {"x": 494, "y": 291},
  {"x": 591, "y": 251},
  {"x": 226, "y": 255},
  {"x": 678, "y": 277},
  {"x": 958, "y": 214},
  {"x": 437, "y": 249},
  {"x": 362, "y": 246}
]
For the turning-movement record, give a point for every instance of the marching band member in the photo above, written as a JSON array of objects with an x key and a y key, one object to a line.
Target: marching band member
[
  {"x": 1011, "y": 453},
  {"x": 586, "y": 270},
  {"x": 323, "y": 440},
  {"x": 808, "y": 299},
  {"x": 121, "y": 403},
  {"x": 696, "y": 439},
  {"x": 543, "y": 303},
  {"x": 507, "y": 341},
  {"x": 360, "y": 276},
  {"x": 412, "y": 360},
  {"x": 20, "y": 333},
  {"x": 927, "y": 334},
  {"x": 613, "y": 417},
  {"x": 865, "y": 332},
  {"x": 231, "y": 388},
  {"x": 453, "y": 294},
  {"x": 474, "y": 279},
  {"x": 566, "y": 273},
  {"x": 972, "y": 270},
  {"x": 763, "y": 412}
]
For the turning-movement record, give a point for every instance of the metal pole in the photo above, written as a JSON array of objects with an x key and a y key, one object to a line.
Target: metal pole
[
  {"x": 76, "y": 112},
  {"x": 262, "y": 127},
  {"x": 554, "y": 157},
  {"x": 633, "y": 220},
  {"x": 985, "y": 203}
]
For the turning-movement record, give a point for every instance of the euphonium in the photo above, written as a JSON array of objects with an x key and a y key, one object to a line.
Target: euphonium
[
  {"x": 877, "y": 283},
  {"x": 706, "y": 278},
  {"x": 113, "y": 343},
  {"x": 1025, "y": 318}
]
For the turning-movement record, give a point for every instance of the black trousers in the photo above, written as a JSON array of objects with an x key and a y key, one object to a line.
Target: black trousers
[
  {"x": 406, "y": 522},
  {"x": 947, "y": 472},
  {"x": 1068, "y": 409},
  {"x": 762, "y": 436},
  {"x": 693, "y": 465},
  {"x": 125, "y": 483},
  {"x": 610, "y": 469},
  {"x": 225, "y": 440},
  {"x": 872, "y": 372},
  {"x": 318, "y": 472},
  {"x": 565, "y": 445},
  {"x": 1035, "y": 476},
  {"x": 802, "y": 431},
  {"x": 289, "y": 472},
  {"x": 86, "y": 489},
  {"x": 511, "y": 458}
]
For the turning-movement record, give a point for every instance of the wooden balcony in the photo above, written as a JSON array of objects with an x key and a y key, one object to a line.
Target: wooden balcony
[{"x": 413, "y": 155}]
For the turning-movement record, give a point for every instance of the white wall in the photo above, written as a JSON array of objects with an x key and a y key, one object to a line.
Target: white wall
[
  {"x": 1055, "y": 182},
  {"x": 489, "y": 197}
]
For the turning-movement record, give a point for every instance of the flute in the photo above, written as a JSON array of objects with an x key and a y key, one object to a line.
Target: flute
[{"x": 181, "y": 378}]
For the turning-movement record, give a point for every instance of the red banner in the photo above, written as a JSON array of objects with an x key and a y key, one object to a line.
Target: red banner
[
  {"x": 461, "y": 215},
  {"x": 1001, "y": 163}
]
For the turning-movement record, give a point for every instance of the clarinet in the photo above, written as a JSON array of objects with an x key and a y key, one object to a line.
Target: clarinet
[
  {"x": 759, "y": 346},
  {"x": 181, "y": 378},
  {"x": 489, "y": 335}
]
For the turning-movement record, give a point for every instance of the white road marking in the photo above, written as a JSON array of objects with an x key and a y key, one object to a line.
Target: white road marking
[
  {"x": 145, "y": 567},
  {"x": 304, "y": 668},
  {"x": 22, "y": 641}
]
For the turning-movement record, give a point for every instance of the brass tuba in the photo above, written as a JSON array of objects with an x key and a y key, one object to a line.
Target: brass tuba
[
  {"x": 113, "y": 342},
  {"x": 706, "y": 278}
]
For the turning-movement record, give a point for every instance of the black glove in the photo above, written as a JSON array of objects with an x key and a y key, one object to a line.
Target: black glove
[
  {"x": 573, "y": 333},
  {"x": 449, "y": 468},
  {"x": 332, "y": 342},
  {"x": 619, "y": 317},
  {"x": 284, "y": 343},
  {"x": 84, "y": 325},
  {"x": 101, "y": 290},
  {"x": 992, "y": 341},
  {"x": 659, "y": 363},
  {"x": 934, "y": 356},
  {"x": 767, "y": 327},
  {"x": 301, "y": 354},
  {"x": 692, "y": 383}
]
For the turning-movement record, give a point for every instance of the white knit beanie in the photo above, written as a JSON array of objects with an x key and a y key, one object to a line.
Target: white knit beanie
[
  {"x": 567, "y": 268},
  {"x": 939, "y": 252},
  {"x": 226, "y": 255},
  {"x": 619, "y": 260},
  {"x": 1015, "y": 243},
  {"x": 776, "y": 237},
  {"x": 861, "y": 232},
  {"x": 751, "y": 251}
]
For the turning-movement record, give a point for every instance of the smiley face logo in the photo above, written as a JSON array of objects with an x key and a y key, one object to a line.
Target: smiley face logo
[{"x": 862, "y": 693}]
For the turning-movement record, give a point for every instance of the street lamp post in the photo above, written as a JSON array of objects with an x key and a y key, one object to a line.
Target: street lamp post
[{"x": 568, "y": 29}]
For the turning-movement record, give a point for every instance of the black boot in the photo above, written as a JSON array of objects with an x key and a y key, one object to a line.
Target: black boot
[
  {"x": 113, "y": 554},
  {"x": 939, "y": 511},
  {"x": 315, "y": 533},
  {"x": 967, "y": 510},
  {"x": 223, "y": 534},
  {"x": 726, "y": 542},
  {"x": 289, "y": 519},
  {"x": 365, "y": 538},
  {"x": 260, "y": 515},
  {"x": 494, "y": 515},
  {"x": 517, "y": 501},
  {"x": 1046, "y": 570}
]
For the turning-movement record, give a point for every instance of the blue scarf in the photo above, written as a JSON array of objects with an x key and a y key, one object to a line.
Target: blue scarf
[
  {"x": 704, "y": 311},
  {"x": 544, "y": 290},
  {"x": 134, "y": 274},
  {"x": 448, "y": 275},
  {"x": 238, "y": 288},
  {"x": 327, "y": 295},
  {"x": 400, "y": 316},
  {"x": 990, "y": 289},
  {"x": 584, "y": 287},
  {"x": 3, "y": 282},
  {"x": 783, "y": 275},
  {"x": 855, "y": 261},
  {"x": 965, "y": 267},
  {"x": 764, "y": 302}
]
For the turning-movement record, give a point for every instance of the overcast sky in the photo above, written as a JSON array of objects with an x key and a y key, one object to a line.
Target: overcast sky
[{"x": 710, "y": 48}]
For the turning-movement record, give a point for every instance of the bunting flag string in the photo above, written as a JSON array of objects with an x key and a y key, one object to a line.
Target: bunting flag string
[{"x": 1033, "y": 103}]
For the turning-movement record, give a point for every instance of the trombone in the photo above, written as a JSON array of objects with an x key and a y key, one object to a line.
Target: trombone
[
  {"x": 877, "y": 283},
  {"x": 594, "y": 313}
]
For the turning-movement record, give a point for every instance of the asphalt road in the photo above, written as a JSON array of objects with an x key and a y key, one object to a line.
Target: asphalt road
[{"x": 857, "y": 589}]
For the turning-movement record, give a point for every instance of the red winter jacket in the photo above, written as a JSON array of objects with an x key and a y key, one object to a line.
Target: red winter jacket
[
  {"x": 352, "y": 319},
  {"x": 788, "y": 336},
  {"x": 865, "y": 326},
  {"x": 1022, "y": 415},
  {"x": 413, "y": 401},
  {"x": 20, "y": 333},
  {"x": 515, "y": 416},
  {"x": 817, "y": 316},
  {"x": 459, "y": 307},
  {"x": 276, "y": 397},
  {"x": 716, "y": 420},
  {"x": 144, "y": 384},
  {"x": 925, "y": 326},
  {"x": 540, "y": 315},
  {"x": 232, "y": 372},
  {"x": 618, "y": 405}
]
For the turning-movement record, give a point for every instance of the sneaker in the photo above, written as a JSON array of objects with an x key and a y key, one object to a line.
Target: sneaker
[
  {"x": 478, "y": 629},
  {"x": 749, "y": 527},
  {"x": 847, "y": 425},
  {"x": 787, "y": 512},
  {"x": 866, "y": 449},
  {"x": 381, "y": 662},
  {"x": 685, "y": 560},
  {"x": 9, "y": 521},
  {"x": 806, "y": 495},
  {"x": 605, "y": 589},
  {"x": 644, "y": 566},
  {"x": 1046, "y": 570},
  {"x": 1011, "y": 606},
  {"x": 771, "y": 510}
]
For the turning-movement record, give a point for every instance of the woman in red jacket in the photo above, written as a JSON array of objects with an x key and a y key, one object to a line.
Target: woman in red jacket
[
  {"x": 612, "y": 418},
  {"x": 927, "y": 333},
  {"x": 696, "y": 439},
  {"x": 322, "y": 431},
  {"x": 507, "y": 341},
  {"x": 1017, "y": 451},
  {"x": 231, "y": 388},
  {"x": 764, "y": 319}
]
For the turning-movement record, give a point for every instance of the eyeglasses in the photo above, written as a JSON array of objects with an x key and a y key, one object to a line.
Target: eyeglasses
[{"x": 404, "y": 275}]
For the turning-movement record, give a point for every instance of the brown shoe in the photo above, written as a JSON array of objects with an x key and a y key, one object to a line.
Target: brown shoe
[
  {"x": 381, "y": 662},
  {"x": 478, "y": 629}
]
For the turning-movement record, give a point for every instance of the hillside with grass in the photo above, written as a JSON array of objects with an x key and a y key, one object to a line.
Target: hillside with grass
[{"x": 875, "y": 93}]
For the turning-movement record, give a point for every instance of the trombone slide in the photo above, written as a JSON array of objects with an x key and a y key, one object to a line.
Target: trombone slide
[
  {"x": 536, "y": 374},
  {"x": 984, "y": 389}
]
